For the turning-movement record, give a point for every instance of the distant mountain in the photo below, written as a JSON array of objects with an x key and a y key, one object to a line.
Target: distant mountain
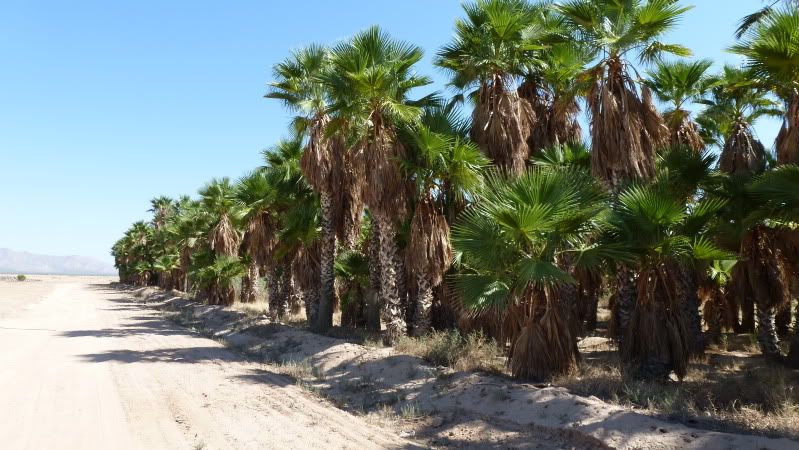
[{"x": 28, "y": 263}]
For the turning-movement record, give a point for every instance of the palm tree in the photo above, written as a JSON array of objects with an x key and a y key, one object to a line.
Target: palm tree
[
  {"x": 219, "y": 203},
  {"x": 771, "y": 49},
  {"x": 488, "y": 54},
  {"x": 219, "y": 279},
  {"x": 291, "y": 192},
  {"x": 756, "y": 17},
  {"x": 735, "y": 103},
  {"x": 325, "y": 163},
  {"x": 256, "y": 196},
  {"x": 589, "y": 280},
  {"x": 777, "y": 194},
  {"x": 140, "y": 236},
  {"x": 167, "y": 266},
  {"x": 680, "y": 84},
  {"x": 626, "y": 129},
  {"x": 553, "y": 87},
  {"x": 514, "y": 245},
  {"x": 161, "y": 207},
  {"x": 299, "y": 243},
  {"x": 370, "y": 78},
  {"x": 187, "y": 229},
  {"x": 652, "y": 226},
  {"x": 445, "y": 169}
]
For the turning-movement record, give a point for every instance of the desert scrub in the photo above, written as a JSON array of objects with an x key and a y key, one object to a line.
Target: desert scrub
[
  {"x": 21, "y": 277},
  {"x": 719, "y": 393},
  {"x": 296, "y": 369},
  {"x": 449, "y": 348}
]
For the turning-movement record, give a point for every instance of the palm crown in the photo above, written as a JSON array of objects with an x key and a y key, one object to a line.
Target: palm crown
[{"x": 617, "y": 28}]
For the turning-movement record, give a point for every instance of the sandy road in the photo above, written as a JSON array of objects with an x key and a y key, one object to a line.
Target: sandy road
[{"x": 81, "y": 367}]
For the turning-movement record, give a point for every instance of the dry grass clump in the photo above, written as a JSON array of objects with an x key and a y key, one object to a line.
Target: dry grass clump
[
  {"x": 449, "y": 348},
  {"x": 252, "y": 310},
  {"x": 298, "y": 370},
  {"x": 723, "y": 392}
]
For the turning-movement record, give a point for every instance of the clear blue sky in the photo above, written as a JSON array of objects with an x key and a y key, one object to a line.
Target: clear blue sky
[{"x": 105, "y": 105}]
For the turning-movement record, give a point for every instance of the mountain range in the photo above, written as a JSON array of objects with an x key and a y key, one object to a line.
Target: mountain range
[{"x": 15, "y": 262}]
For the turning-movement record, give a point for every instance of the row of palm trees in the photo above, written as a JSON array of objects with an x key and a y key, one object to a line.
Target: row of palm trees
[{"x": 406, "y": 216}]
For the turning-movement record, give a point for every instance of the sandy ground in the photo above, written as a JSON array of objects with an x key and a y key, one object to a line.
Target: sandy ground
[
  {"x": 82, "y": 367},
  {"x": 455, "y": 409}
]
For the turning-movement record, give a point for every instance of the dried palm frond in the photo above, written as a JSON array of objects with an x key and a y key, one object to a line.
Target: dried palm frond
[
  {"x": 742, "y": 153},
  {"x": 501, "y": 125},
  {"x": 263, "y": 237},
  {"x": 656, "y": 337},
  {"x": 224, "y": 238},
  {"x": 384, "y": 190},
  {"x": 626, "y": 129},
  {"x": 306, "y": 273},
  {"x": 545, "y": 346},
  {"x": 555, "y": 119},
  {"x": 347, "y": 189},
  {"x": 317, "y": 159},
  {"x": 429, "y": 253},
  {"x": 589, "y": 288},
  {"x": 683, "y": 131},
  {"x": 767, "y": 269},
  {"x": 788, "y": 137}
]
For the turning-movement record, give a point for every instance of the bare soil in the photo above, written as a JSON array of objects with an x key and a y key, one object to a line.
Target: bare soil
[
  {"x": 81, "y": 366},
  {"x": 438, "y": 405}
]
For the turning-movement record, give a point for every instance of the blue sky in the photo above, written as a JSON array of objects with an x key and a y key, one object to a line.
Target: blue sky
[{"x": 105, "y": 105}]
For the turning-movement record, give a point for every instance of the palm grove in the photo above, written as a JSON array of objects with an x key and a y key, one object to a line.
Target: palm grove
[{"x": 406, "y": 215}]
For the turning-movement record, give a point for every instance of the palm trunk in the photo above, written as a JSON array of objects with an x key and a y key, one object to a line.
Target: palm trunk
[
  {"x": 312, "y": 304},
  {"x": 402, "y": 287},
  {"x": 793, "y": 354},
  {"x": 273, "y": 290},
  {"x": 389, "y": 294},
  {"x": 246, "y": 287},
  {"x": 284, "y": 295},
  {"x": 690, "y": 305},
  {"x": 327, "y": 255},
  {"x": 424, "y": 303},
  {"x": 783, "y": 319},
  {"x": 624, "y": 306},
  {"x": 767, "y": 332},
  {"x": 747, "y": 316},
  {"x": 253, "y": 292},
  {"x": 296, "y": 297},
  {"x": 373, "y": 296},
  {"x": 788, "y": 137}
]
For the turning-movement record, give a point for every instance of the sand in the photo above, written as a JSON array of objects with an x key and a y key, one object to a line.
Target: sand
[
  {"x": 81, "y": 367},
  {"x": 84, "y": 364}
]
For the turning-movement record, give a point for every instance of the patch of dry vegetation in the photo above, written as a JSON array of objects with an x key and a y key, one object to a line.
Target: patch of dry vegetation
[
  {"x": 449, "y": 348},
  {"x": 731, "y": 391}
]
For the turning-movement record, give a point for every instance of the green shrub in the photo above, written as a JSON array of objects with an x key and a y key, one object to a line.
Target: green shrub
[{"x": 21, "y": 277}]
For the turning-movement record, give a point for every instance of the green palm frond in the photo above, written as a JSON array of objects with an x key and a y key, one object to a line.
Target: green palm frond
[
  {"x": 490, "y": 40},
  {"x": 680, "y": 82},
  {"x": 771, "y": 49},
  {"x": 617, "y": 28},
  {"x": 297, "y": 83},
  {"x": 518, "y": 229},
  {"x": 777, "y": 191},
  {"x": 569, "y": 155}
]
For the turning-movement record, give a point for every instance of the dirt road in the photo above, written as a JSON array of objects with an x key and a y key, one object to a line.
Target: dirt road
[{"x": 81, "y": 367}]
